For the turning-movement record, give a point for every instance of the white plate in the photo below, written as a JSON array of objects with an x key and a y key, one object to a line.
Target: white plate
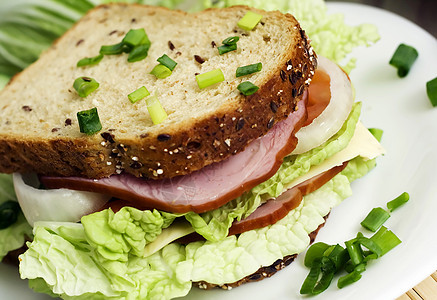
[{"x": 402, "y": 109}]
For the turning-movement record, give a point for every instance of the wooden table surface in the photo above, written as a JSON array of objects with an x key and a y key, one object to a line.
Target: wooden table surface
[{"x": 427, "y": 289}]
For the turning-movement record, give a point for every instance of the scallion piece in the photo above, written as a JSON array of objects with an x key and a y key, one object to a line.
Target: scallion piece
[
  {"x": 348, "y": 279},
  {"x": 226, "y": 48},
  {"x": 339, "y": 256},
  {"x": 431, "y": 91},
  {"x": 369, "y": 244},
  {"x": 156, "y": 111},
  {"x": 247, "y": 88},
  {"x": 161, "y": 71},
  {"x": 377, "y": 133},
  {"x": 135, "y": 37},
  {"x": 139, "y": 52},
  {"x": 85, "y": 86},
  {"x": 138, "y": 94},
  {"x": 319, "y": 278},
  {"x": 375, "y": 219},
  {"x": 355, "y": 251},
  {"x": 249, "y": 69},
  {"x": 230, "y": 40},
  {"x": 315, "y": 251},
  {"x": 167, "y": 61},
  {"x": 114, "y": 49},
  {"x": 398, "y": 201},
  {"x": 89, "y": 122},
  {"x": 89, "y": 60},
  {"x": 209, "y": 78},
  {"x": 385, "y": 239},
  {"x": 403, "y": 58},
  {"x": 249, "y": 21}
]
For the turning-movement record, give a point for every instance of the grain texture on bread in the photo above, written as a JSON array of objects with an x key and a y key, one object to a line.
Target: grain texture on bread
[{"x": 38, "y": 125}]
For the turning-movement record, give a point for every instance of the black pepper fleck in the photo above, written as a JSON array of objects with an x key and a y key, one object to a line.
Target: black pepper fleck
[
  {"x": 136, "y": 165},
  {"x": 240, "y": 124},
  {"x": 171, "y": 46},
  {"x": 108, "y": 137},
  {"x": 199, "y": 59},
  {"x": 273, "y": 106},
  {"x": 26, "y": 108},
  {"x": 55, "y": 129},
  {"x": 213, "y": 44},
  {"x": 68, "y": 122},
  {"x": 113, "y": 32},
  {"x": 79, "y": 42},
  {"x": 133, "y": 20},
  {"x": 163, "y": 137},
  {"x": 178, "y": 53}
]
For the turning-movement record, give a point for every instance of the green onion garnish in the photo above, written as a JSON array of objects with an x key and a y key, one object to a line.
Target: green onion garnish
[
  {"x": 135, "y": 37},
  {"x": 385, "y": 239},
  {"x": 348, "y": 279},
  {"x": 369, "y": 244},
  {"x": 230, "y": 40},
  {"x": 161, "y": 71},
  {"x": 398, "y": 201},
  {"x": 315, "y": 251},
  {"x": 114, "y": 49},
  {"x": 355, "y": 252},
  {"x": 249, "y": 21},
  {"x": 377, "y": 133},
  {"x": 156, "y": 111},
  {"x": 85, "y": 86},
  {"x": 320, "y": 276},
  {"x": 226, "y": 48},
  {"x": 89, "y": 122},
  {"x": 89, "y": 60},
  {"x": 431, "y": 91},
  {"x": 167, "y": 61},
  {"x": 209, "y": 78},
  {"x": 375, "y": 219},
  {"x": 247, "y": 88},
  {"x": 249, "y": 69},
  {"x": 403, "y": 59},
  {"x": 138, "y": 53},
  {"x": 138, "y": 94}
]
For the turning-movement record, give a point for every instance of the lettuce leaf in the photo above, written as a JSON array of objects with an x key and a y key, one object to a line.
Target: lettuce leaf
[
  {"x": 214, "y": 225},
  {"x": 14, "y": 236},
  {"x": 62, "y": 260}
]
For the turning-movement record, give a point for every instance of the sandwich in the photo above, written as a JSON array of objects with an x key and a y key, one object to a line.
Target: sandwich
[{"x": 227, "y": 187}]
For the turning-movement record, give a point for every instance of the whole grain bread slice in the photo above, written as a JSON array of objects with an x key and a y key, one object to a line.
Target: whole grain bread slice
[{"x": 38, "y": 126}]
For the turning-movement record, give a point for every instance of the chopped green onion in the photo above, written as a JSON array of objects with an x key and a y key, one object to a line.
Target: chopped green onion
[
  {"x": 9, "y": 211},
  {"x": 319, "y": 278},
  {"x": 247, "y": 88},
  {"x": 138, "y": 53},
  {"x": 403, "y": 58},
  {"x": 230, "y": 40},
  {"x": 85, "y": 86},
  {"x": 138, "y": 94},
  {"x": 161, "y": 71},
  {"x": 369, "y": 244},
  {"x": 167, "y": 61},
  {"x": 338, "y": 255},
  {"x": 135, "y": 37},
  {"x": 249, "y": 69},
  {"x": 375, "y": 219},
  {"x": 398, "y": 201},
  {"x": 226, "y": 48},
  {"x": 377, "y": 133},
  {"x": 315, "y": 251},
  {"x": 114, "y": 49},
  {"x": 348, "y": 279},
  {"x": 249, "y": 21},
  {"x": 209, "y": 78},
  {"x": 156, "y": 111},
  {"x": 431, "y": 91},
  {"x": 385, "y": 239},
  {"x": 89, "y": 122},
  {"x": 355, "y": 251},
  {"x": 90, "y": 60}
]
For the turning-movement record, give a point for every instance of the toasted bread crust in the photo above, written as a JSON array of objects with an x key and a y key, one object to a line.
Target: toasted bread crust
[{"x": 173, "y": 150}]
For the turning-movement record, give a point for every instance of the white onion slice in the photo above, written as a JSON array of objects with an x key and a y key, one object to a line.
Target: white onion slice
[
  {"x": 335, "y": 114},
  {"x": 54, "y": 205}
]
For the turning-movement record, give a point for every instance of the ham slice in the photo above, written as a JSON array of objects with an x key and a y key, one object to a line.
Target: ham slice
[{"x": 206, "y": 189}]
